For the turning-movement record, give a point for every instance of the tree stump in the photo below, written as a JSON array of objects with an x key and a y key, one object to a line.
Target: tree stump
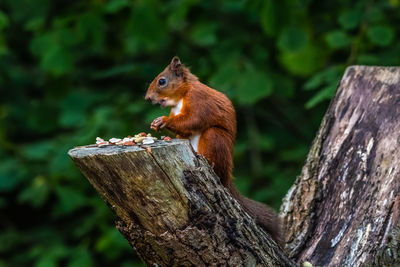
[
  {"x": 172, "y": 208},
  {"x": 343, "y": 210}
]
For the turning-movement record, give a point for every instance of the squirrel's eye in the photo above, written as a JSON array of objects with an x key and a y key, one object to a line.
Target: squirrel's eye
[{"x": 162, "y": 81}]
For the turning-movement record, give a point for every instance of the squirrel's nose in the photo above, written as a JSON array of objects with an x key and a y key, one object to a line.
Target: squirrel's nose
[{"x": 148, "y": 98}]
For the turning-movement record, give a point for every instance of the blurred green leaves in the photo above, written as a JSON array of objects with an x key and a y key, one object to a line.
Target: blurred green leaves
[
  {"x": 51, "y": 48},
  {"x": 146, "y": 32},
  {"x": 349, "y": 20},
  {"x": 253, "y": 85},
  {"x": 36, "y": 193},
  {"x": 3, "y": 20},
  {"x": 204, "y": 34},
  {"x": 270, "y": 17},
  {"x": 299, "y": 54},
  {"x": 82, "y": 257},
  {"x": 114, "y": 6},
  {"x": 292, "y": 39},
  {"x": 304, "y": 61},
  {"x": 247, "y": 86},
  {"x": 74, "y": 70},
  {"x": 10, "y": 174},
  {"x": 381, "y": 35},
  {"x": 69, "y": 200},
  {"x": 38, "y": 150},
  {"x": 338, "y": 39},
  {"x": 328, "y": 80}
]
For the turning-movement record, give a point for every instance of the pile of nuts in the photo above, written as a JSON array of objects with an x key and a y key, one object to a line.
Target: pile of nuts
[{"x": 142, "y": 138}]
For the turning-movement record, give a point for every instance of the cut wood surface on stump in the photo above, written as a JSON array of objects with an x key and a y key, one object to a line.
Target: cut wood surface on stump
[
  {"x": 343, "y": 209},
  {"x": 172, "y": 208}
]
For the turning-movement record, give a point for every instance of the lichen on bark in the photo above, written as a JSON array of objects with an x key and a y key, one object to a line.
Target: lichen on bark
[{"x": 344, "y": 205}]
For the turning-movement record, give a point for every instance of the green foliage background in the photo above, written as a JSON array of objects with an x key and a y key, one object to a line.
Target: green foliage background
[{"x": 74, "y": 70}]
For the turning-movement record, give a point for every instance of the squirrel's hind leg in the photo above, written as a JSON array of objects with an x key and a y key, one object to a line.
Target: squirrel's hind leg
[{"x": 216, "y": 146}]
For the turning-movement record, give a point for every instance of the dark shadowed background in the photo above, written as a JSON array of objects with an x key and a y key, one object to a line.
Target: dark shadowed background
[{"x": 74, "y": 70}]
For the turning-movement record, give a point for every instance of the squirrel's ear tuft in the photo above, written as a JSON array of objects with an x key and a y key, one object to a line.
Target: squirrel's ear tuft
[
  {"x": 175, "y": 61},
  {"x": 176, "y": 66}
]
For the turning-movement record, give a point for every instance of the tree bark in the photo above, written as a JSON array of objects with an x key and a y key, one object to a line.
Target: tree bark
[
  {"x": 172, "y": 208},
  {"x": 344, "y": 208}
]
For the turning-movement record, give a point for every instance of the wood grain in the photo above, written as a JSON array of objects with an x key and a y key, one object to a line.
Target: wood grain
[
  {"x": 343, "y": 210},
  {"x": 172, "y": 208}
]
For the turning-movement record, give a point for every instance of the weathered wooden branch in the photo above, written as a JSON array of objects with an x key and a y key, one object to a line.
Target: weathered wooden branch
[
  {"x": 344, "y": 208},
  {"x": 172, "y": 208}
]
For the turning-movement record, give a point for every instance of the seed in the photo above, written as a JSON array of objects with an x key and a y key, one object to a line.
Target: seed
[{"x": 114, "y": 140}]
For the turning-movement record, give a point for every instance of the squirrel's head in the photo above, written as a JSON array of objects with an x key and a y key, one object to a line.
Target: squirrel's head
[{"x": 169, "y": 86}]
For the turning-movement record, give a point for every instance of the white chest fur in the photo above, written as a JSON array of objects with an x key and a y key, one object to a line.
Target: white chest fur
[
  {"x": 195, "y": 138},
  {"x": 178, "y": 108},
  {"x": 194, "y": 141}
]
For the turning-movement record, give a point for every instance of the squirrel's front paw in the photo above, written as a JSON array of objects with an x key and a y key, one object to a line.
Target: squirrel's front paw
[{"x": 158, "y": 123}]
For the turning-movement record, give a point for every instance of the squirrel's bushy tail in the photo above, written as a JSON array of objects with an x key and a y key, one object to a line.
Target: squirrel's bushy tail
[{"x": 262, "y": 214}]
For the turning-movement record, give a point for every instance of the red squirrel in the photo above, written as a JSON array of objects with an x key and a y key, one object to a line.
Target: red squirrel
[{"x": 207, "y": 118}]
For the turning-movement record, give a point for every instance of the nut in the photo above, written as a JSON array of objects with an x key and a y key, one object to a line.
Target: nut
[
  {"x": 138, "y": 139},
  {"x": 129, "y": 143},
  {"x": 114, "y": 140},
  {"x": 148, "y": 140},
  {"x": 102, "y": 144}
]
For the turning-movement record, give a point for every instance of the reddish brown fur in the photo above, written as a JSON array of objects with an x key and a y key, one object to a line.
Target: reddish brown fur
[{"x": 212, "y": 114}]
